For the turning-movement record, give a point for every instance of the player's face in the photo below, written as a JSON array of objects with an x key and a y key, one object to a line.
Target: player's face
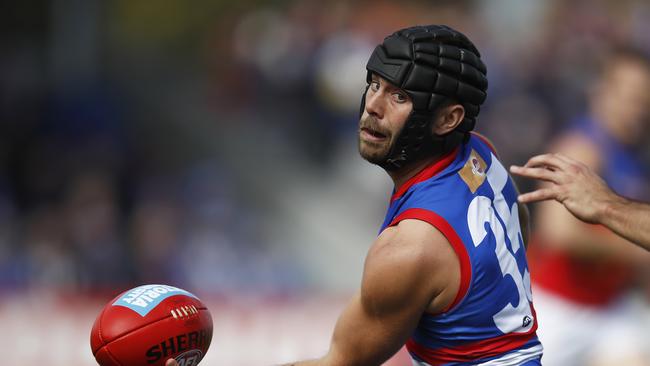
[
  {"x": 624, "y": 99},
  {"x": 386, "y": 111}
]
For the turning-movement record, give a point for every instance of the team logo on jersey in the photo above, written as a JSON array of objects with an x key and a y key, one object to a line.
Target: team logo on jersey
[
  {"x": 477, "y": 168},
  {"x": 473, "y": 173}
]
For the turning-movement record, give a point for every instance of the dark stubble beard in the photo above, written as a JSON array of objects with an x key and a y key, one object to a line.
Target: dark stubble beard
[{"x": 374, "y": 153}]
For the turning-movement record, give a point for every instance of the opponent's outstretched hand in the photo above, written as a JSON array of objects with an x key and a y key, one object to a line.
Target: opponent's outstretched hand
[
  {"x": 572, "y": 183},
  {"x": 586, "y": 196}
]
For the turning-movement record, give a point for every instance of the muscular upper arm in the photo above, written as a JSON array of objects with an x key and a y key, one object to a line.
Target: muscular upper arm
[{"x": 408, "y": 270}]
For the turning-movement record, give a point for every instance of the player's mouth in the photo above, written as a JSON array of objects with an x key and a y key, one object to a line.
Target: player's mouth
[{"x": 369, "y": 134}]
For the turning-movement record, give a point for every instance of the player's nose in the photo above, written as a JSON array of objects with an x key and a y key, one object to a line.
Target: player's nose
[{"x": 374, "y": 104}]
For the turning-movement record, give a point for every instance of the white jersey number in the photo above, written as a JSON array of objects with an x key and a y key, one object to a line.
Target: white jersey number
[{"x": 503, "y": 221}]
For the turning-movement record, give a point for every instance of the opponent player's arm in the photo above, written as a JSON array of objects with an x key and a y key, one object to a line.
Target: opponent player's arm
[
  {"x": 558, "y": 228},
  {"x": 586, "y": 196},
  {"x": 410, "y": 269}
]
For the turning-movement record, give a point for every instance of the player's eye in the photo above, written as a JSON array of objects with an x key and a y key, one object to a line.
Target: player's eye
[
  {"x": 374, "y": 85},
  {"x": 400, "y": 97}
]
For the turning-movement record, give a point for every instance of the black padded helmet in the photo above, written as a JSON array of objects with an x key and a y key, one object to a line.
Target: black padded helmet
[{"x": 432, "y": 64}]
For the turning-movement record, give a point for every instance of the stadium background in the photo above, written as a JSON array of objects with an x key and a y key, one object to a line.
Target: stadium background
[{"x": 211, "y": 145}]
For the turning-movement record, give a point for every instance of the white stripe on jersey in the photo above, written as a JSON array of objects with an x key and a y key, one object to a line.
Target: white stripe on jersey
[{"x": 509, "y": 359}]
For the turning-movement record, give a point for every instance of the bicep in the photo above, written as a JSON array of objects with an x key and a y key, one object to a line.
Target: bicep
[{"x": 405, "y": 272}]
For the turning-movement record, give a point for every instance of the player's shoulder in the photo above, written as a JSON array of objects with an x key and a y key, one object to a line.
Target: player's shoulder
[
  {"x": 412, "y": 243},
  {"x": 486, "y": 141},
  {"x": 407, "y": 259},
  {"x": 482, "y": 150},
  {"x": 410, "y": 236}
]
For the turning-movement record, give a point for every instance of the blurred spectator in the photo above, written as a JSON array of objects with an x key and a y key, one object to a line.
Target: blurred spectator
[
  {"x": 51, "y": 262},
  {"x": 92, "y": 230},
  {"x": 154, "y": 235},
  {"x": 580, "y": 272}
]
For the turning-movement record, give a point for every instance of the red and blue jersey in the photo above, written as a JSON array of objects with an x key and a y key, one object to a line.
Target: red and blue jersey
[{"x": 469, "y": 197}]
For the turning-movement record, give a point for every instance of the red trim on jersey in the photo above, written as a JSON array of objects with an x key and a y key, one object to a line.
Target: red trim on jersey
[
  {"x": 448, "y": 231},
  {"x": 426, "y": 173},
  {"x": 473, "y": 351},
  {"x": 486, "y": 141}
]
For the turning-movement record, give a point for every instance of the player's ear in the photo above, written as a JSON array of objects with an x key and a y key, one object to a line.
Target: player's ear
[{"x": 448, "y": 118}]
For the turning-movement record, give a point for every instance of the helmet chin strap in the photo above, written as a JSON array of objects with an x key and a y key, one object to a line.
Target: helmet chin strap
[
  {"x": 414, "y": 141},
  {"x": 417, "y": 141}
]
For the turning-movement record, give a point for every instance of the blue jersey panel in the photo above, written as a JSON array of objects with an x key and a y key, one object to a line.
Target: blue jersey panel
[{"x": 473, "y": 202}]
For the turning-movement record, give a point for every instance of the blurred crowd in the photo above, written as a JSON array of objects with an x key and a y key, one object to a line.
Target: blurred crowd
[{"x": 211, "y": 144}]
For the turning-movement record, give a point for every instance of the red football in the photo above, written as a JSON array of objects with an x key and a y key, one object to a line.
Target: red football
[{"x": 148, "y": 325}]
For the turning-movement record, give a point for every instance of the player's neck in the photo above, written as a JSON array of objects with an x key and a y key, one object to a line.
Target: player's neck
[{"x": 402, "y": 175}]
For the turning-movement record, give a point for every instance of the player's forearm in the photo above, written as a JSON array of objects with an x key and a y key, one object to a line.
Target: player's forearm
[
  {"x": 582, "y": 240},
  {"x": 605, "y": 242},
  {"x": 629, "y": 219}
]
